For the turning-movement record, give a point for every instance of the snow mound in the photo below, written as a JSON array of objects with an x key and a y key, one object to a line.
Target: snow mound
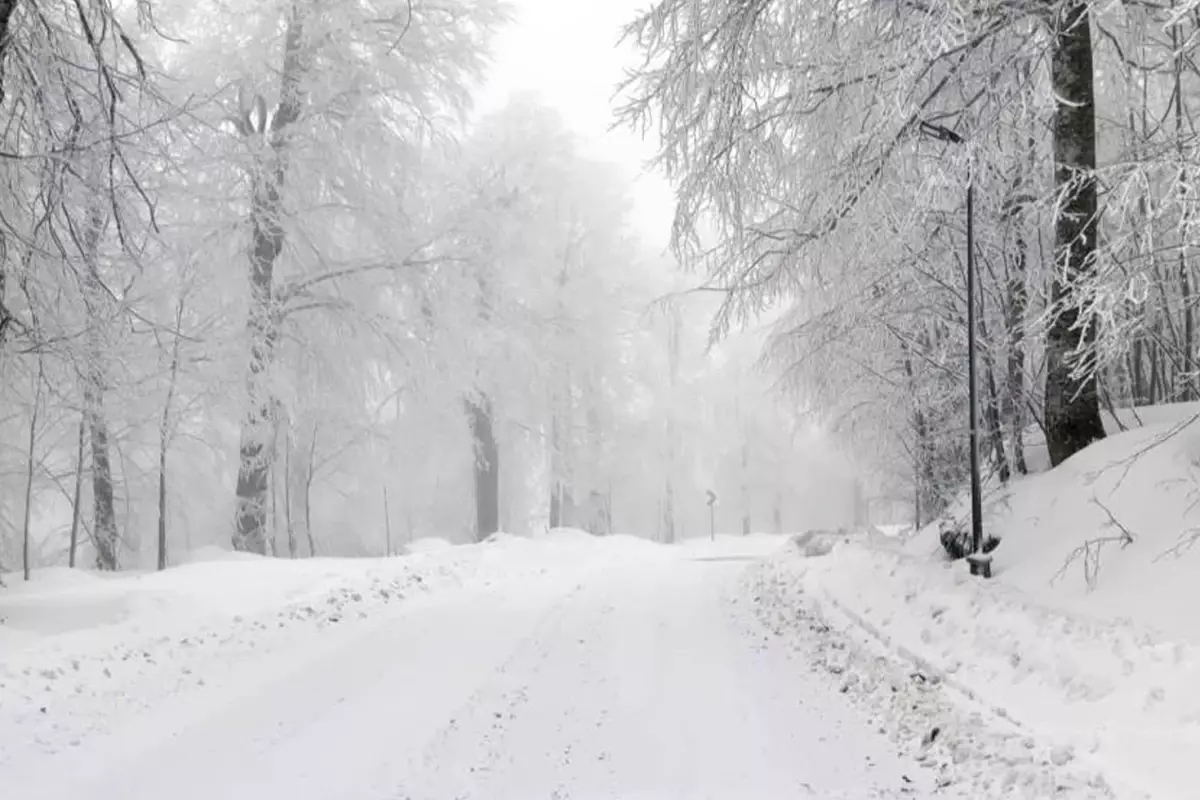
[
  {"x": 974, "y": 747},
  {"x": 428, "y": 544},
  {"x": 52, "y": 578},
  {"x": 81, "y": 655},
  {"x": 567, "y": 536},
  {"x": 213, "y": 553},
  {"x": 1086, "y": 641},
  {"x": 1109, "y": 534}
]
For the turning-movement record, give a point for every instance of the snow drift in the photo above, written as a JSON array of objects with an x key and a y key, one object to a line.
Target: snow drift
[{"x": 1086, "y": 639}]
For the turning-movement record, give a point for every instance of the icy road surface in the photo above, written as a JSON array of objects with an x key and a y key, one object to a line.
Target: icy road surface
[{"x": 648, "y": 679}]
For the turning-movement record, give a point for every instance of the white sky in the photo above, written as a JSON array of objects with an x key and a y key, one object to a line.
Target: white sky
[{"x": 566, "y": 52}]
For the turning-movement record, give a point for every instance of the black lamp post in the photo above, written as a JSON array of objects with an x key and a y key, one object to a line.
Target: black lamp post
[{"x": 978, "y": 561}]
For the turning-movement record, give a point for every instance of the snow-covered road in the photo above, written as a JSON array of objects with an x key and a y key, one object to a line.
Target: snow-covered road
[{"x": 639, "y": 679}]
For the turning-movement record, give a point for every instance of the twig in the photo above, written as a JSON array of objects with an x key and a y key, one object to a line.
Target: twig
[
  {"x": 1089, "y": 552},
  {"x": 1186, "y": 541}
]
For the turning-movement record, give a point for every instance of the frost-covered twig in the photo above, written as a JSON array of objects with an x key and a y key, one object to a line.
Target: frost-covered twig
[
  {"x": 1186, "y": 541},
  {"x": 1128, "y": 462},
  {"x": 1089, "y": 552}
]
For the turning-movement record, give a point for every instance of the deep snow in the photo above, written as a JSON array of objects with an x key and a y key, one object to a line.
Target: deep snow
[
  {"x": 1148, "y": 479},
  {"x": 564, "y": 667},
  {"x": 1081, "y": 653}
]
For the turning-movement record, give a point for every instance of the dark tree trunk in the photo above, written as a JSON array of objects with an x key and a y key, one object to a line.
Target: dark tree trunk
[
  {"x": 104, "y": 524},
  {"x": 1136, "y": 377},
  {"x": 309, "y": 469},
  {"x": 487, "y": 468},
  {"x": 105, "y": 534},
  {"x": 31, "y": 469},
  {"x": 1188, "y": 366},
  {"x": 992, "y": 413},
  {"x": 1016, "y": 305},
  {"x": 562, "y": 497},
  {"x": 996, "y": 428},
  {"x": 77, "y": 501},
  {"x": 287, "y": 493},
  {"x": 254, "y": 481},
  {"x": 6, "y": 10},
  {"x": 924, "y": 477},
  {"x": 162, "y": 506},
  {"x": 7, "y": 7},
  {"x": 1072, "y": 403},
  {"x": 164, "y": 440},
  {"x": 254, "y": 478}
]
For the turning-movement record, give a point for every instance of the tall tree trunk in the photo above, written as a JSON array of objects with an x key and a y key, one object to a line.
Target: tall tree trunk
[
  {"x": 287, "y": 491},
  {"x": 164, "y": 438},
  {"x": 1136, "y": 377},
  {"x": 562, "y": 495},
  {"x": 255, "y": 451},
  {"x": 105, "y": 534},
  {"x": 387, "y": 523},
  {"x": 1015, "y": 307},
  {"x": 487, "y": 468},
  {"x": 6, "y": 319},
  {"x": 1187, "y": 302},
  {"x": 674, "y": 345},
  {"x": 7, "y": 7},
  {"x": 31, "y": 468},
  {"x": 996, "y": 427},
  {"x": 77, "y": 500},
  {"x": 309, "y": 469},
  {"x": 991, "y": 410},
  {"x": 1072, "y": 403},
  {"x": 923, "y": 468}
]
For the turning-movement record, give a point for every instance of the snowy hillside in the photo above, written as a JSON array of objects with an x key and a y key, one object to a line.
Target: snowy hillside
[
  {"x": 1065, "y": 531},
  {"x": 1086, "y": 638}
]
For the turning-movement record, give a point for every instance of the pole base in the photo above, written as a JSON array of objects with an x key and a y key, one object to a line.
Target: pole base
[{"x": 981, "y": 564}]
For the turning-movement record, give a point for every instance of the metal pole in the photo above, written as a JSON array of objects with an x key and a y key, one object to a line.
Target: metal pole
[{"x": 973, "y": 400}]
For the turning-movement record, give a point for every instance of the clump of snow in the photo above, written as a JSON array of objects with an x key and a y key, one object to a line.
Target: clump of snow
[
  {"x": 427, "y": 544},
  {"x": 209, "y": 553},
  {"x": 567, "y": 535}
]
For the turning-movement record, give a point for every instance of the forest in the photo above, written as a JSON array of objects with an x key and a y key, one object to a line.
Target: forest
[
  {"x": 823, "y": 153},
  {"x": 268, "y": 281}
]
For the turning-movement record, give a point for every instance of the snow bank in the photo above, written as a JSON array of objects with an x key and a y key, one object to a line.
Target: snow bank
[
  {"x": 754, "y": 545},
  {"x": 1110, "y": 533},
  {"x": 566, "y": 535},
  {"x": 935, "y": 707},
  {"x": 81, "y": 653},
  {"x": 1087, "y": 639},
  {"x": 428, "y": 544}
]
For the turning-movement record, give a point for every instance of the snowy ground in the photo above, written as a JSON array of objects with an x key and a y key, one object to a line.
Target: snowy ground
[
  {"x": 511, "y": 670},
  {"x": 1000, "y": 698},
  {"x": 1077, "y": 666},
  {"x": 1089, "y": 631}
]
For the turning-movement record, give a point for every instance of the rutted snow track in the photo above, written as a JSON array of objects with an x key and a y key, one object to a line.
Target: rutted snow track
[
  {"x": 641, "y": 685},
  {"x": 640, "y": 679}
]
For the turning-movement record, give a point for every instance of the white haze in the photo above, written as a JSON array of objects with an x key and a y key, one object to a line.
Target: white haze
[{"x": 372, "y": 443}]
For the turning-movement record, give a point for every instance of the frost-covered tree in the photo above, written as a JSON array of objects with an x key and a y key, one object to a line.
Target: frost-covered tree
[{"x": 821, "y": 155}]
